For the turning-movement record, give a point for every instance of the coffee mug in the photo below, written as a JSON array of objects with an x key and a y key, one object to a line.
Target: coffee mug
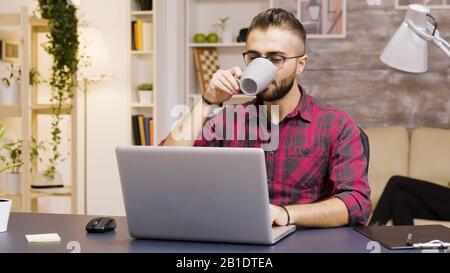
[
  {"x": 257, "y": 76},
  {"x": 5, "y": 209}
]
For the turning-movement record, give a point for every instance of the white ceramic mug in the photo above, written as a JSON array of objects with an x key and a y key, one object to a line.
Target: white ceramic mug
[
  {"x": 257, "y": 76},
  {"x": 5, "y": 209}
]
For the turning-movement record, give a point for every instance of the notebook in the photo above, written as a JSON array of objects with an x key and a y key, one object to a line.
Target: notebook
[{"x": 395, "y": 237}]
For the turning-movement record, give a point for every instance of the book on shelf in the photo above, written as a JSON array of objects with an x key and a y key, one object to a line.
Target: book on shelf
[
  {"x": 135, "y": 127},
  {"x": 147, "y": 130},
  {"x": 141, "y": 35},
  {"x": 147, "y": 36},
  {"x": 133, "y": 35},
  {"x": 143, "y": 130},
  {"x": 138, "y": 30},
  {"x": 152, "y": 130}
]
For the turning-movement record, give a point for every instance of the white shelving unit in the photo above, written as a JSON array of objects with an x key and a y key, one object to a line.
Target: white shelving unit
[
  {"x": 143, "y": 66},
  {"x": 29, "y": 27}
]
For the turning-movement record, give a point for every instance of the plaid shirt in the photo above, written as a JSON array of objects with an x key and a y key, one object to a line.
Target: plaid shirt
[{"x": 320, "y": 155}]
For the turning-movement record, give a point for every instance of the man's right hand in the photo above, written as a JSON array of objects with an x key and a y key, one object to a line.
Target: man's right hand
[{"x": 223, "y": 85}]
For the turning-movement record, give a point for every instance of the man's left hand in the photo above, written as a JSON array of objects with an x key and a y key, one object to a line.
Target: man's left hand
[{"x": 279, "y": 216}]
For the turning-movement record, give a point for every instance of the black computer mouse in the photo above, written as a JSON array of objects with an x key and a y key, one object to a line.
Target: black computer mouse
[{"x": 101, "y": 225}]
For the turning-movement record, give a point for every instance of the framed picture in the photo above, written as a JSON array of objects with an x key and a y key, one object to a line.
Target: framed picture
[
  {"x": 320, "y": 18},
  {"x": 9, "y": 51},
  {"x": 432, "y": 4}
]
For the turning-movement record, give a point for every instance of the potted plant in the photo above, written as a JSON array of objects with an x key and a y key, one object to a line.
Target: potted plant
[
  {"x": 39, "y": 180},
  {"x": 9, "y": 165},
  {"x": 13, "y": 158},
  {"x": 10, "y": 87},
  {"x": 145, "y": 91},
  {"x": 227, "y": 36},
  {"x": 62, "y": 45},
  {"x": 146, "y": 4}
]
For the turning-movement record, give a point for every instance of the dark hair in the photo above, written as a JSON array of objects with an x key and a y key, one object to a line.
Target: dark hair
[{"x": 279, "y": 18}]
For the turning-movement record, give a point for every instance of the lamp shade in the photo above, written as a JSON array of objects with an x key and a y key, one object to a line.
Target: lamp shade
[
  {"x": 407, "y": 51},
  {"x": 94, "y": 55}
]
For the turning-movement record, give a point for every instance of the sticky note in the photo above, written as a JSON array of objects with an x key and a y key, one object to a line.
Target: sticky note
[{"x": 43, "y": 238}]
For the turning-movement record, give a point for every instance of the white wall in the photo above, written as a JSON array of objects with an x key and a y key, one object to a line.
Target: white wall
[
  {"x": 108, "y": 111},
  {"x": 170, "y": 61}
]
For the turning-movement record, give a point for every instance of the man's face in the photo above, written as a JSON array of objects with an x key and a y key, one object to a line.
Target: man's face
[{"x": 276, "y": 41}]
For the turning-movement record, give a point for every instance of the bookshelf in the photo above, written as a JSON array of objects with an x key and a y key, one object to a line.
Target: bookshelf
[
  {"x": 30, "y": 109},
  {"x": 143, "y": 65}
]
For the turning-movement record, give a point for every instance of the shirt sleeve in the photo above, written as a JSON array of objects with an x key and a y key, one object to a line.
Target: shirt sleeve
[
  {"x": 348, "y": 174},
  {"x": 211, "y": 134}
]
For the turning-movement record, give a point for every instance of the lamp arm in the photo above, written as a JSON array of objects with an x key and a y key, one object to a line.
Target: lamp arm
[
  {"x": 441, "y": 43},
  {"x": 437, "y": 39},
  {"x": 419, "y": 32}
]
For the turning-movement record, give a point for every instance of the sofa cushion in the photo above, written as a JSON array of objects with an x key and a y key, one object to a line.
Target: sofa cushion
[
  {"x": 430, "y": 155},
  {"x": 389, "y": 148}
]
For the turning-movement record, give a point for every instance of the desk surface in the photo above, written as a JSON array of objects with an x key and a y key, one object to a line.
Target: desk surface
[{"x": 72, "y": 228}]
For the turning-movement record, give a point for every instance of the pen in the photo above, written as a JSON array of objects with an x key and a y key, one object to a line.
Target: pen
[
  {"x": 409, "y": 240},
  {"x": 432, "y": 244}
]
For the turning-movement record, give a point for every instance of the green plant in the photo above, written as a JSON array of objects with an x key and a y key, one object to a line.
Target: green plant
[
  {"x": 15, "y": 72},
  {"x": 35, "y": 77},
  {"x": 8, "y": 165},
  {"x": 13, "y": 75},
  {"x": 222, "y": 24},
  {"x": 13, "y": 150},
  {"x": 14, "y": 155},
  {"x": 2, "y": 133},
  {"x": 145, "y": 86},
  {"x": 62, "y": 45},
  {"x": 34, "y": 152}
]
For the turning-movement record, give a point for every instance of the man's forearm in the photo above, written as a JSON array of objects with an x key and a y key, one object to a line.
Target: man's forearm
[
  {"x": 325, "y": 214},
  {"x": 185, "y": 133}
]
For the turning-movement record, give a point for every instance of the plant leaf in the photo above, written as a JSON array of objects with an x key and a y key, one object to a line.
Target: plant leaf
[{"x": 2, "y": 130}]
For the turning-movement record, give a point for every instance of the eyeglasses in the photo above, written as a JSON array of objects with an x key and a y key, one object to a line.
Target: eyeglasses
[{"x": 277, "y": 60}]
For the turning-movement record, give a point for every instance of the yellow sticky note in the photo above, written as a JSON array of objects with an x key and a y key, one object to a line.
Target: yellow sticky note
[{"x": 43, "y": 238}]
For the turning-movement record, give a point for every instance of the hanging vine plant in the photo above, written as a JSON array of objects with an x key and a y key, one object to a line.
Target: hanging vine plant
[{"x": 63, "y": 46}]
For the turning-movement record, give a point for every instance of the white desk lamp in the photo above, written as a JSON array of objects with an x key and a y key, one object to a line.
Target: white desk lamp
[{"x": 408, "y": 48}]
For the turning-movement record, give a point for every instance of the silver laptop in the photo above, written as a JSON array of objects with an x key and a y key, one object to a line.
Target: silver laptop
[{"x": 197, "y": 194}]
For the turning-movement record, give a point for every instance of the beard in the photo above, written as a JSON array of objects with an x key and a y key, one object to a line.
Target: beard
[{"x": 278, "y": 90}]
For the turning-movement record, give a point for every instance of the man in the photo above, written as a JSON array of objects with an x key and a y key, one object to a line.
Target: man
[{"x": 316, "y": 176}]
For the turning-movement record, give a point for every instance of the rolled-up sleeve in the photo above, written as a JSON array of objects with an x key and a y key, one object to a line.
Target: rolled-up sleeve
[{"x": 348, "y": 174}]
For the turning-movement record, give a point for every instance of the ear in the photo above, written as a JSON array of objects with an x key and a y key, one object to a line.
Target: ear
[{"x": 301, "y": 64}]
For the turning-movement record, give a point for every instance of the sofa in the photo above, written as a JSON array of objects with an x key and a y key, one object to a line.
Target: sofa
[{"x": 424, "y": 154}]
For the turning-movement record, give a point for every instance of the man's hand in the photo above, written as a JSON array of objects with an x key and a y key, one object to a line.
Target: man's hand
[
  {"x": 223, "y": 85},
  {"x": 279, "y": 216}
]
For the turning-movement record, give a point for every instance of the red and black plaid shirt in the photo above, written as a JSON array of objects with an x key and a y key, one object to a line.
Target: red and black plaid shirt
[{"x": 320, "y": 155}]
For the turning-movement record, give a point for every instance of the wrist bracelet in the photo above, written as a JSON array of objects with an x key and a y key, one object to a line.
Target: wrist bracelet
[
  {"x": 289, "y": 217},
  {"x": 210, "y": 103}
]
